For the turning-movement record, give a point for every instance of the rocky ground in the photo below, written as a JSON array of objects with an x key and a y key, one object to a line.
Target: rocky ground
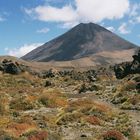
[{"x": 69, "y": 104}]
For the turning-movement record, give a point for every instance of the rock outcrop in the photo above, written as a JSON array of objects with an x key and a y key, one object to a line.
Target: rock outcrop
[
  {"x": 9, "y": 66},
  {"x": 126, "y": 68}
]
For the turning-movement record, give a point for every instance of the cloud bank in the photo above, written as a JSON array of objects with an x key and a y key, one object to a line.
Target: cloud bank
[{"x": 82, "y": 11}]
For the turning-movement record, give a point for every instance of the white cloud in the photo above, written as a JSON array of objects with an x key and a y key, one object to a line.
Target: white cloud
[
  {"x": 123, "y": 29},
  {"x": 135, "y": 20},
  {"x": 134, "y": 10},
  {"x": 134, "y": 14},
  {"x": 138, "y": 19},
  {"x": 84, "y": 11},
  {"x": 21, "y": 51},
  {"x": 3, "y": 16},
  {"x": 98, "y": 10},
  {"x": 112, "y": 29},
  {"x": 43, "y": 30},
  {"x": 68, "y": 25},
  {"x": 54, "y": 14}
]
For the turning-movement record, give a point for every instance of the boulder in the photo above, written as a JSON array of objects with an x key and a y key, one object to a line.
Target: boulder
[{"x": 11, "y": 67}]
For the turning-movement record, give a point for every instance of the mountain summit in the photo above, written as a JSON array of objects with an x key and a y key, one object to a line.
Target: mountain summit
[{"x": 82, "y": 41}]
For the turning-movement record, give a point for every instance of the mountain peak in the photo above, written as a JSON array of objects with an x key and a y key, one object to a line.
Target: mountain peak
[
  {"x": 90, "y": 25},
  {"x": 84, "y": 40}
]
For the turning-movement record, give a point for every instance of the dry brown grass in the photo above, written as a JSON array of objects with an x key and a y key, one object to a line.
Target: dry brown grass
[
  {"x": 18, "y": 129},
  {"x": 53, "y": 98}
]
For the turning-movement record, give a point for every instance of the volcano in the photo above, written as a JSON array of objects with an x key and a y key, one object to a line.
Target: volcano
[{"x": 90, "y": 41}]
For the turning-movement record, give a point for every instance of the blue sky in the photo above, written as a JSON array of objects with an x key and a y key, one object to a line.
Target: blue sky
[{"x": 26, "y": 24}]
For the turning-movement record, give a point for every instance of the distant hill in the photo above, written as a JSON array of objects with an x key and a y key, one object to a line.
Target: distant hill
[{"x": 89, "y": 42}]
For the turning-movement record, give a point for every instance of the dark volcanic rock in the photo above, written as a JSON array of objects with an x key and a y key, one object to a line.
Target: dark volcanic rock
[
  {"x": 8, "y": 66},
  {"x": 47, "y": 74},
  {"x": 126, "y": 68},
  {"x": 122, "y": 70},
  {"x": 48, "y": 83}
]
